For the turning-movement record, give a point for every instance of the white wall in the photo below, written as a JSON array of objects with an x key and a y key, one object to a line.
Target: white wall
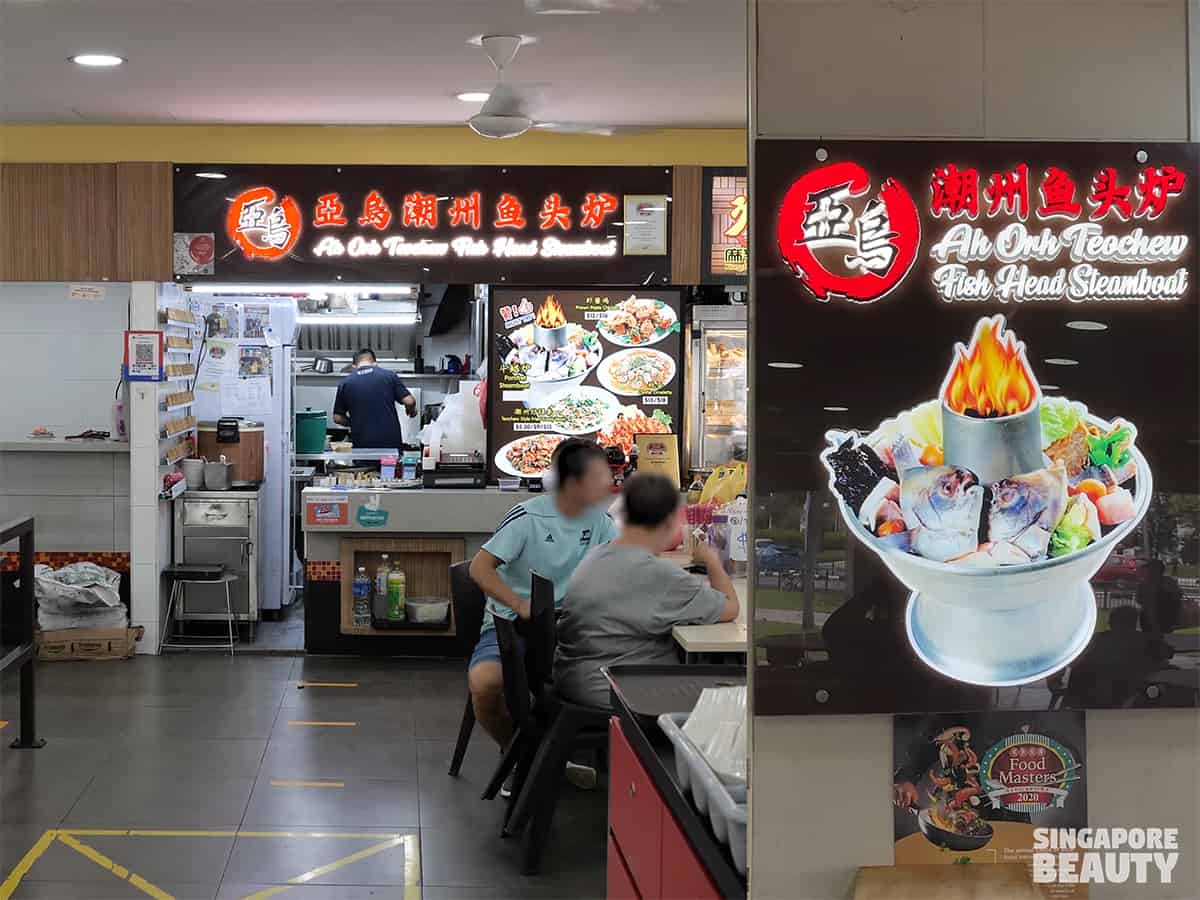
[
  {"x": 999, "y": 69},
  {"x": 60, "y": 359}
]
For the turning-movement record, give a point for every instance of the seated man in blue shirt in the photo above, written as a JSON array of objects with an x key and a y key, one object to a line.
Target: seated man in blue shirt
[
  {"x": 366, "y": 401},
  {"x": 548, "y": 535}
]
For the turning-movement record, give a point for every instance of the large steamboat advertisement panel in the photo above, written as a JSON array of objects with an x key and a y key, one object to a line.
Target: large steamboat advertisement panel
[{"x": 977, "y": 425}]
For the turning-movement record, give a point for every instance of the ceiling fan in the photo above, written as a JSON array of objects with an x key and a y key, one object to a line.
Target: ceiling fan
[{"x": 507, "y": 111}]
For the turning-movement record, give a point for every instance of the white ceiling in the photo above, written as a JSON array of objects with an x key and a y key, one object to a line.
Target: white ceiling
[{"x": 680, "y": 63}]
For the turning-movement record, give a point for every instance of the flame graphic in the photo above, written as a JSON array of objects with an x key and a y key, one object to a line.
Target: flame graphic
[
  {"x": 991, "y": 377},
  {"x": 550, "y": 314}
]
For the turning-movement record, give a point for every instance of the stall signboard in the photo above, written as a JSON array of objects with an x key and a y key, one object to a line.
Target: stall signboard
[
  {"x": 461, "y": 224},
  {"x": 600, "y": 363},
  {"x": 976, "y": 389},
  {"x": 975, "y": 788},
  {"x": 725, "y": 225}
]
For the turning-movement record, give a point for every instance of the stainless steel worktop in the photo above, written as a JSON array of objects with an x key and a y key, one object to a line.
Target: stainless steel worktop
[{"x": 62, "y": 445}]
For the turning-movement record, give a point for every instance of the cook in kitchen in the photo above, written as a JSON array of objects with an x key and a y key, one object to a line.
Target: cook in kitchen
[{"x": 366, "y": 401}]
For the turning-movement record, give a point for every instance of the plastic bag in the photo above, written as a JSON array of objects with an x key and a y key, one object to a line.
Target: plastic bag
[
  {"x": 458, "y": 426},
  {"x": 724, "y": 484},
  {"x": 717, "y": 726},
  {"x": 81, "y": 585}
]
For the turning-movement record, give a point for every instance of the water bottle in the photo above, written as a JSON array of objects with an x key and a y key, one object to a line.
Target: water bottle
[{"x": 362, "y": 598}]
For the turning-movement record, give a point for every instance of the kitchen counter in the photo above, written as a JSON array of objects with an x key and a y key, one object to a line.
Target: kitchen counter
[
  {"x": 62, "y": 445},
  {"x": 415, "y": 510}
]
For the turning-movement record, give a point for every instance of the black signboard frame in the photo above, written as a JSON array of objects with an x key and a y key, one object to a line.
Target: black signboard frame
[
  {"x": 864, "y": 359},
  {"x": 202, "y": 204},
  {"x": 674, "y": 407}
]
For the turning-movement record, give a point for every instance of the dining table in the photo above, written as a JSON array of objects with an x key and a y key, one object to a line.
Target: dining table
[{"x": 720, "y": 640}]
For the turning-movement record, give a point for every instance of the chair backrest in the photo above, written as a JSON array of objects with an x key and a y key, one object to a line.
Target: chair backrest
[
  {"x": 541, "y": 634},
  {"x": 516, "y": 682},
  {"x": 469, "y": 602}
]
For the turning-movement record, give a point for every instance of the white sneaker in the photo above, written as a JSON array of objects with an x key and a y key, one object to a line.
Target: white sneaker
[{"x": 582, "y": 777}]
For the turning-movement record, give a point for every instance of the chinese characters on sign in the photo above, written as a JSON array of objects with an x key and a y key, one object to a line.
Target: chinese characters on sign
[
  {"x": 1015, "y": 234},
  {"x": 1098, "y": 263},
  {"x": 725, "y": 224},
  {"x": 478, "y": 224},
  {"x": 267, "y": 229}
]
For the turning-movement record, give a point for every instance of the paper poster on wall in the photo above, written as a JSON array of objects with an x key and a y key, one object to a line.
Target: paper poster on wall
[
  {"x": 224, "y": 320},
  {"x": 194, "y": 253},
  {"x": 254, "y": 362},
  {"x": 250, "y": 397},
  {"x": 256, "y": 320},
  {"x": 969, "y": 789},
  {"x": 218, "y": 360},
  {"x": 645, "y": 225},
  {"x": 143, "y": 356}
]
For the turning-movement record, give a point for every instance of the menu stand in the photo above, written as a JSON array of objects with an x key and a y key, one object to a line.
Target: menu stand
[{"x": 19, "y": 618}]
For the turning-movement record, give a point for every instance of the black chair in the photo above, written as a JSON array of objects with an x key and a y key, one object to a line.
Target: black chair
[
  {"x": 556, "y": 728},
  {"x": 469, "y": 603},
  {"x": 527, "y": 663}
]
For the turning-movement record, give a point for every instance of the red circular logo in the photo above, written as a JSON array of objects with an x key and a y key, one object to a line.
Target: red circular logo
[
  {"x": 261, "y": 227},
  {"x": 859, "y": 251},
  {"x": 201, "y": 248}
]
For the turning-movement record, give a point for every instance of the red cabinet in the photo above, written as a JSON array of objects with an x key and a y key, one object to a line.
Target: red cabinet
[
  {"x": 620, "y": 884},
  {"x": 683, "y": 875},
  {"x": 649, "y": 856}
]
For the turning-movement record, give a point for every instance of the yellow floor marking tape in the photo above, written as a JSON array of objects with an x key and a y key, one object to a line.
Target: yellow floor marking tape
[
  {"x": 69, "y": 837},
  {"x": 9, "y": 885},
  {"x": 332, "y": 684},
  {"x": 120, "y": 871},
  {"x": 312, "y": 784},
  {"x": 334, "y": 866},
  {"x": 323, "y": 724}
]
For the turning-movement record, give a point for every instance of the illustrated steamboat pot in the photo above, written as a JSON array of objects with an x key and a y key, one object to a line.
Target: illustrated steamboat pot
[{"x": 1006, "y": 625}]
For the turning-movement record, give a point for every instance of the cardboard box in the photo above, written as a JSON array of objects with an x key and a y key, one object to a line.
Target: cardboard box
[{"x": 87, "y": 643}]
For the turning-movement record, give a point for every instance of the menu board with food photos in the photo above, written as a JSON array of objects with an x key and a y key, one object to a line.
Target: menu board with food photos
[{"x": 600, "y": 363}]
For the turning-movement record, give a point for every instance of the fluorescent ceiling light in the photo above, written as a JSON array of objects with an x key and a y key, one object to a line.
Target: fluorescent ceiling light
[
  {"x": 1051, "y": 387},
  {"x": 785, "y": 365},
  {"x": 1061, "y": 361},
  {"x": 473, "y": 96},
  {"x": 97, "y": 60},
  {"x": 211, "y": 175},
  {"x": 363, "y": 320},
  {"x": 836, "y": 408},
  {"x": 292, "y": 290},
  {"x": 1085, "y": 325}
]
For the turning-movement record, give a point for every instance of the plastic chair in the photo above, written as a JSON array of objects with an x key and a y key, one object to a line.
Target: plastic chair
[{"x": 469, "y": 603}]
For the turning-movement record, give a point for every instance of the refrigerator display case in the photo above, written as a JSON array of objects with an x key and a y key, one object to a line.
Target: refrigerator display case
[{"x": 718, "y": 394}]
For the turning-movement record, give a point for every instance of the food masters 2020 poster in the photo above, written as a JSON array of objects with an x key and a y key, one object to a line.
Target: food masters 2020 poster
[
  {"x": 602, "y": 363},
  {"x": 976, "y": 426},
  {"x": 969, "y": 789}
]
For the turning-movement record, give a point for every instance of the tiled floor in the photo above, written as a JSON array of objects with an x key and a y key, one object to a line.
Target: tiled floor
[{"x": 191, "y": 776}]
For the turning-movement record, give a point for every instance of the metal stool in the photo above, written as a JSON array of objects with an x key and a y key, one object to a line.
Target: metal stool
[{"x": 177, "y": 585}]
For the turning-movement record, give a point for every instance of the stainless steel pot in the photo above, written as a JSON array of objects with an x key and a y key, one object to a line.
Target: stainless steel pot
[{"x": 217, "y": 475}]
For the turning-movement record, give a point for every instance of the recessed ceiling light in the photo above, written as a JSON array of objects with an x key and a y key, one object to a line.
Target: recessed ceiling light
[
  {"x": 473, "y": 96},
  {"x": 785, "y": 365},
  {"x": 214, "y": 175},
  {"x": 1085, "y": 325},
  {"x": 1061, "y": 361},
  {"x": 97, "y": 60},
  {"x": 836, "y": 408}
]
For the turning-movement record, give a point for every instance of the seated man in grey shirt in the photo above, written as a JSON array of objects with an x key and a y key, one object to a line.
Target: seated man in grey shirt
[{"x": 623, "y": 601}]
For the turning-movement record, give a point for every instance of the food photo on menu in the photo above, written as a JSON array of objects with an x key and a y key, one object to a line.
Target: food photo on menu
[{"x": 571, "y": 363}]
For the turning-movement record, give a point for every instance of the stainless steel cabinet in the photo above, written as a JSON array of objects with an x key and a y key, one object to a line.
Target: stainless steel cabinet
[{"x": 220, "y": 527}]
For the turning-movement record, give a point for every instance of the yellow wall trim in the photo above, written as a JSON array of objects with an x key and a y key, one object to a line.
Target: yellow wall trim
[{"x": 363, "y": 145}]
